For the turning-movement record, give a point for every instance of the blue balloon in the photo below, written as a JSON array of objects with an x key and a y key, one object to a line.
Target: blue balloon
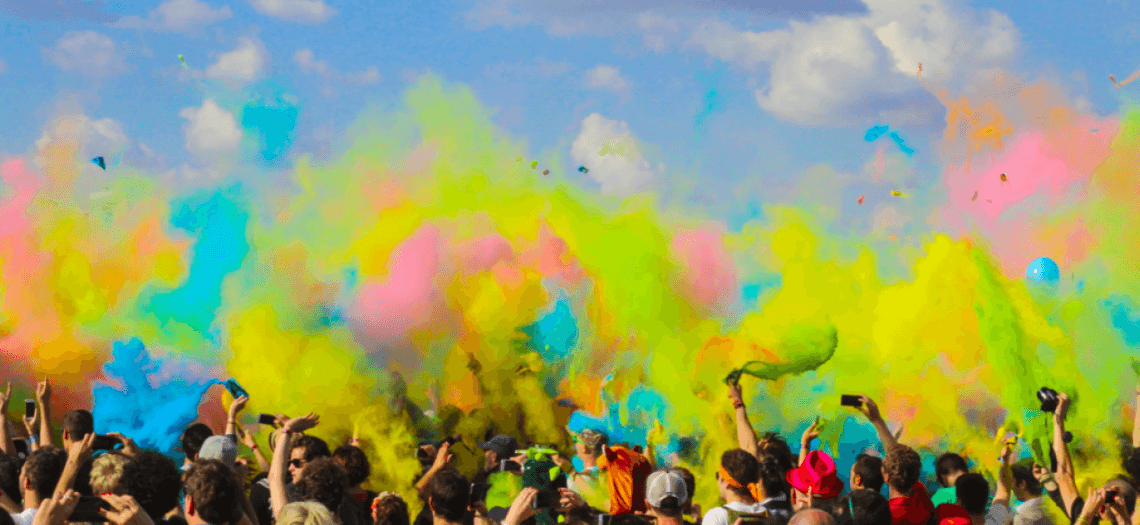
[{"x": 1043, "y": 269}]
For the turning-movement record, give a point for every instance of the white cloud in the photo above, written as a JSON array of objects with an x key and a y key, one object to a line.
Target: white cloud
[
  {"x": 178, "y": 15},
  {"x": 605, "y": 77},
  {"x": 307, "y": 11},
  {"x": 212, "y": 133},
  {"x": 838, "y": 70},
  {"x": 89, "y": 53},
  {"x": 91, "y": 138},
  {"x": 243, "y": 65},
  {"x": 608, "y": 149}
]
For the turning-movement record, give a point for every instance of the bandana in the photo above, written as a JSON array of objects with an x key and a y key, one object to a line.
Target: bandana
[{"x": 753, "y": 488}]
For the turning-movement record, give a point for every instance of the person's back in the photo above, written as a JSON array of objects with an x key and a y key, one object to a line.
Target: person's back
[
  {"x": 212, "y": 494},
  {"x": 863, "y": 507},
  {"x": 910, "y": 503}
]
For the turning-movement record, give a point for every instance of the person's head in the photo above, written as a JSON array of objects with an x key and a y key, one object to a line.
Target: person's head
[
  {"x": 76, "y": 424},
  {"x": 589, "y": 444},
  {"x": 815, "y": 482},
  {"x": 773, "y": 445},
  {"x": 948, "y": 467},
  {"x": 901, "y": 468},
  {"x": 743, "y": 468},
  {"x": 193, "y": 438},
  {"x": 154, "y": 481},
  {"x": 221, "y": 448},
  {"x": 447, "y": 496},
  {"x": 41, "y": 472},
  {"x": 864, "y": 507},
  {"x": 355, "y": 463},
  {"x": 690, "y": 486},
  {"x": 499, "y": 448},
  {"x": 973, "y": 493},
  {"x": 1125, "y": 493},
  {"x": 305, "y": 513},
  {"x": 1025, "y": 485},
  {"x": 812, "y": 516},
  {"x": 666, "y": 494},
  {"x": 772, "y": 478},
  {"x": 305, "y": 450},
  {"x": 212, "y": 493},
  {"x": 10, "y": 470},
  {"x": 391, "y": 510},
  {"x": 107, "y": 474},
  {"x": 867, "y": 473},
  {"x": 323, "y": 480}
]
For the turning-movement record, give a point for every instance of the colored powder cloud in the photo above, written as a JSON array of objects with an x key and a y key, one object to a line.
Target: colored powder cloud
[
  {"x": 875, "y": 132},
  {"x": 271, "y": 123}
]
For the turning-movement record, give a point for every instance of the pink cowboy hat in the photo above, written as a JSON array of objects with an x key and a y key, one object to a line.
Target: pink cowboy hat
[{"x": 816, "y": 476}]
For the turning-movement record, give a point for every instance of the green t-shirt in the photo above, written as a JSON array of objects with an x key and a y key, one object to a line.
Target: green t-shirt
[{"x": 944, "y": 495}]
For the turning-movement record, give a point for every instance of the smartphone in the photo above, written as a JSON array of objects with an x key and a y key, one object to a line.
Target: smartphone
[
  {"x": 29, "y": 408},
  {"x": 266, "y": 419},
  {"x": 87, "y": 510},
  {"x": 235, "y": 389},
  {"x": 604, "y": 519},
  {"x": 104, "y": 443},
  {"x": 478, "y": 493},
  {"x": 547, "y": 499},
  {"x": 851, "y": 401}
]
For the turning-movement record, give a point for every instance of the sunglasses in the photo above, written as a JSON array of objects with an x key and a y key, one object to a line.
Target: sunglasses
[{"x": 297, "y": 463}]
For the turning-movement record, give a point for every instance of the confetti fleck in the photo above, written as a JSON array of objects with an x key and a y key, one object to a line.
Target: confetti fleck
[
  {"x": 860, "y": 199},
  {"x": 546, "y": 172},
  {"x": 975, "y": 197},
  {"x": 895, "y": 193},
  {"x": 183, "y": 60},
  {"x": 533, "y": 164},
  {"x": 989, "y": 201},
  {"x": 1003, "y": 179},
  {"x": 99, "y": 162},
  {"x": 583, "y": 169}
]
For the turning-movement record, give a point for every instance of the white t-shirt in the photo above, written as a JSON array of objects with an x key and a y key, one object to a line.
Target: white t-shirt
[
  {"x": 999, "y": 515},
  {"x": 26, "y": 517},
  {"x": 719, "y": 516}
]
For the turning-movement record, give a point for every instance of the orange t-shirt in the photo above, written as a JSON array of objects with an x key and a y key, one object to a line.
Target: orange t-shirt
[{"x": 627, "y": 471}]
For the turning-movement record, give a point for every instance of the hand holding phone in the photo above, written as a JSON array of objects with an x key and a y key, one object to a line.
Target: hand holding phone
[
  {"x": 478, "y": 493},
  {"x": 851, "y": 401},
  {"x": 266, "y": 419},
  {"x": 547, "y": 499},
  {"x": 29, "y": 408}
]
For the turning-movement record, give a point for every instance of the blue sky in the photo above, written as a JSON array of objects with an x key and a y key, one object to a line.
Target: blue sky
[{"x": 790, "y": 86}]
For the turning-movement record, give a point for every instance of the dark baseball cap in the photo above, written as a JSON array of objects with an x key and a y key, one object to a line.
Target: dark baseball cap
[{"x": 504, "y": 446}]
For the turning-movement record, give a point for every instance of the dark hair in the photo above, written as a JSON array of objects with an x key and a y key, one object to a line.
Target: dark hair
[
  {"x": 903, "y": 466},
  {"x": 154, "y": 481},
  {"x": 355, "y": 463},
  {"x": 870, "y": 471},
  {"x": 10, "y": 477},
  {"x": 193, "y": 438},
  {"x": 6, "y": 519},
  {"x": 323, "y": 481},
  {"x": 771, "y": 476},
  {"x": 864, "y": 507},
  {"x": 214, "y": 490},
  {"x": 743, "y": 467},
  {"x": 775, "y": 446},
  {"x": 1023, "y": 471},
  {"x": 973, "y": 492},
  {"x": 78, "y": 423},
  {"x": 449, "y": 492},
  {"x": 43, "y": 469},
  {"x": 313, "y": 446},
  {"x": 690, "y": 486},
  {"x": 1126, "y": 491},
  {"x": 391, "y": 510},
  {"x": 947, "y": 464}
]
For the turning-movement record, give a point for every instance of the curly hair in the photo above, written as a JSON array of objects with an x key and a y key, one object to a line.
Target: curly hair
[
  {"x": 305, "y": 513},
  {"x": 771, "y": 444},
  {"x": 743, "y": 467},
  {"x": 43, "y": 469},
  {"x": 213, "y": 488},
  {"x": 193, "y": 438},
  {"x": 771, "y": 476},
  {"x": 154, "y": 481},
  {"x": 10, "y": 476},
  {"x": 902, "y": 467},
  {"x": 449, "y": 492},
  {"x": 313, "y": 446},
  {"x": 355, "y": 463},
  {"x": 107, "y": 474},
  {"x": 392, "y": 510},
  {"x": 323, "y": 481}
]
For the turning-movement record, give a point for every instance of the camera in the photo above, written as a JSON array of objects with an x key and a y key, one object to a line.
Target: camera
[
  {"x": 1048, "y": 398},
  {"x": 1111, "y": 495}
]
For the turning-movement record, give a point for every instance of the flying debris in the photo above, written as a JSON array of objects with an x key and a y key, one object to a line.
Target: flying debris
[
  {"x": 1003, "y": 179},
  {"x": 533, "y": 164},
  {"x": 183, "y": 60},
  {"x": 583, "y": 169},
  {"x": 99, "y": 162},
  {"x": 975, "y": 197},
  {"x": 546, "y": 172},
  {"x": 860, "y": 199}
]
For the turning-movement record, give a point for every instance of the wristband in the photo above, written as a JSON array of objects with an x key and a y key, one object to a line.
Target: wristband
[
  {"x": 31, "y": 439},
  {"x": 736, "y": 403},
  {"x": 285, "y": 431}
]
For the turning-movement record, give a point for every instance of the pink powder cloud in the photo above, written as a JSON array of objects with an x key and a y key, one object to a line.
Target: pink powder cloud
[
  {"x": 710, "y": 278},
  {"x": 407, "y": 299}
]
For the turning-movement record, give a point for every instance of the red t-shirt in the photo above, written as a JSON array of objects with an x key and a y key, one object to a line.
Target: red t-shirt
[
  {"x": 628, "y": 472},
  {"x": 912, "y": 510},
  {"x": 951, "y": 514}
]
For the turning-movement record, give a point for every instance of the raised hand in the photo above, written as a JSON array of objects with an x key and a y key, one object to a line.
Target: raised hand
[
  {"x": 870, "y": 409},
  {"x": 443, "y": 457},
  {"x": 5, "y": 398},
  {"x": 301, "y": 424},
  {"x": 43, "y": 391},
  {"x": 237, "y": 406},
  {"x": 734, "y": 392},
  {"x": 125, "y": 511},
  {"x": 129, "y": 446},
  {"x": 811, "y": 433},
  {"x": 81, "y": 450},
  {"x": 522, "y": 508},
  {"x": 1063, "y": 403},
  {"x": 57, "y": 509}
]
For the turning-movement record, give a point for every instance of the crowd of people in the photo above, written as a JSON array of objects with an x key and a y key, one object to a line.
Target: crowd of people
[{"x": 87, "y": 478}]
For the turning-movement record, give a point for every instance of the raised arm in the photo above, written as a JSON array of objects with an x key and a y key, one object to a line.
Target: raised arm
[
  {"x": 6, "y": 444},
  {"x": 43, "y": 398},
  {"x": 1005, "y": 478},
  {"x": 745, "y": 435},
  {"x": 805, "y": 441},
  {"x": 442, "y": 458},
  {"x": 231, "y": 422},
  {"x": 77, "y": 455},
  {"x": 1066, "y": 477},
  {"x": 277, "y": 492},
  {"x": 251, "y": 442},
  {"x": 1136, "y": 421},
  {"x": 871, "y": 410}
]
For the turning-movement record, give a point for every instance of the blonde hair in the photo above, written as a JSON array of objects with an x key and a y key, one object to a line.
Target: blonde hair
[
  {"x": 107, "y": 474},
  {"x": 305, "y": 513}
]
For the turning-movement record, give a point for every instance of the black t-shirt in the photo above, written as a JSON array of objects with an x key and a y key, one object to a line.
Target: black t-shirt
[{"x": 259, "y": 500}]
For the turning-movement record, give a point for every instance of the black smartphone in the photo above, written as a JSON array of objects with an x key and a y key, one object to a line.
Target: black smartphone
[
  {"x": 478, "y": 493},
  {"x": 104, "y": 443},
  {"x": 29, "y": 408},
  {"x": 266, "y": 419},
  {"x": 547, "y": 499},
  {"x": 87, "y": 510},
  {"x": 605, "y": 519},
  {"x": 851, "y": 401}
]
